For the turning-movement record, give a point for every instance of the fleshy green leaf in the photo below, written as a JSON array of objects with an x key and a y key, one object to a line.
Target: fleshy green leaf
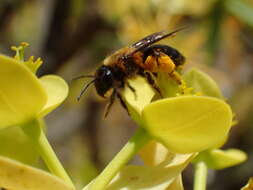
[
  {"x": 188, "y": 123},
  {"x": 21, "y": 94},
  {"x": 137, "y": 100},
  {"x": 220, "y": 159},
  {"x": 17, "y": 176},
  {"x": 202, "y": 83},
  {"x": 57, "y": 91}
]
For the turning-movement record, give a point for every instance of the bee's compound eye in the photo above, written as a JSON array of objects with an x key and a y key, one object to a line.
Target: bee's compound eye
[
  {"x": 105, "y": 74},
  {"x": 104, "y": 80}
]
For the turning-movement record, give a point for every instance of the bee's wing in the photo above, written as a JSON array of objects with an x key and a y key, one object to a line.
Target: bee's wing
[{"x": 152, "y": 38}]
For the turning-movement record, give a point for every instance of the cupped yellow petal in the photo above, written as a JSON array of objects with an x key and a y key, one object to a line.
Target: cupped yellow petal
[
  {"x": 167, "y": 85},
  {"x": 155, "y": 153},
  {"x": 17, "y": 176},
  {"x": 21, "y": 94},
  {"x": 167, "y": 176},
  {"x": 150, "y": 178},
  {"x": 138, "y": 99},
  {"x": 188, "y": 123},
  {"x": 202, "y": 83},
  {"x": 57, "y": 91},
  {"x": 177, "y": 184},
  {"x": 220, "y": 159}
]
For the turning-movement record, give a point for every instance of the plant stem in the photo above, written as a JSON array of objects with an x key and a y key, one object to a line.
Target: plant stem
[
  {"x": 139, "y": 139},
  {"x": 200, "y": 176},
  {"x": 37, "y": 137}
]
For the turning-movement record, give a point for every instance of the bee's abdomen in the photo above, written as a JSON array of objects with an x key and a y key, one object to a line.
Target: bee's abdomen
[{"x": 174, "y": 54}]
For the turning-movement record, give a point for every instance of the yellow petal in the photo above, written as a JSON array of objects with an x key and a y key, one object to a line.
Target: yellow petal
[
  {"x": 57, "y": 91},
  {"x": 21, "y": 94},
  {"x": 167, "y": 175},
  {"x": 167, "y": 85},
  {"x": 17, "y": 176},
  {"x": 188, "y": 123},
  {"x": 137, "y": 100},
  {"x": 177, "y": 184},
  {"x": 154, "y": 154},
  {"x": 220, "y": 159},
  {"x": 202, "y": 83},
  {"x": 143, "y": 178}
]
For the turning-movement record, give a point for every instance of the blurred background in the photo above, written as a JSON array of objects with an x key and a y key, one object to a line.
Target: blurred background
[{"x": 74, "y": 36}]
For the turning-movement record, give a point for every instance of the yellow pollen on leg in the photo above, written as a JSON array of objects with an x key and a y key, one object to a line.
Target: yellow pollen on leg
[
  {"x": 166, "y": 64},
  {"x": 150, "y": 64}
]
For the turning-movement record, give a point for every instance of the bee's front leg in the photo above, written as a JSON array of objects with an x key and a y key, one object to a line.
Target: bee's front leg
[
  {"x": 109, "y": 105},
  {"x": 122, "y": 102}
]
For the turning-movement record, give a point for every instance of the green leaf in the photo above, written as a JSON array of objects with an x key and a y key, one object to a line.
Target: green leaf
[
  {"x": 21, "y": 94},
  {"x": 17, "y": 176},
  {"x": 202, "y": 83},
  {"x": 188, "y": 123},
  {"x": 57, "y": 91},
  {"x": 220, "y": 159}
]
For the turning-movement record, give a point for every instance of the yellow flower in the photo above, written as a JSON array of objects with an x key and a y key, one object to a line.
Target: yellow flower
[
  {"x": 184, "y": 124},
  {"x": 180, "y": 125},
  {"x": 23, "y": 96},
  {"x": 25, "y": 99}
]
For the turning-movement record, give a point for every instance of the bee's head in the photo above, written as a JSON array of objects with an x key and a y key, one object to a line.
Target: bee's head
[{"x": 103, "y": 80}]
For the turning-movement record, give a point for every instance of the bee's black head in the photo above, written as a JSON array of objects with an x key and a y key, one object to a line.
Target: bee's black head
[{"x": 103, "y": 80}]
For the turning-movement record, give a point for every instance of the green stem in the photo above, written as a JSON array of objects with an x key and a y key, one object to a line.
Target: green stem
[
  {"x": 127, "y": 152},
  {"x": 37, "y": 137},
  {"x": 200, "y": 176}
]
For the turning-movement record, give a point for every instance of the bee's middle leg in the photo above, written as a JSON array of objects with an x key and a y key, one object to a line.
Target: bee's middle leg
[
  {"x": 152, "y": 82},
  {"x": 132, "y": 89}
]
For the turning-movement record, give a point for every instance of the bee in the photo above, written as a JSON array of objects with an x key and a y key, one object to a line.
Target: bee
[{"x": 142, "y": 58}]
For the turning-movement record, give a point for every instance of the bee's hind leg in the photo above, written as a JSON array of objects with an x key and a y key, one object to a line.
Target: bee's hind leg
[
  {"x": 183, "y": 89},
  {"x": 176, "y": 77}
]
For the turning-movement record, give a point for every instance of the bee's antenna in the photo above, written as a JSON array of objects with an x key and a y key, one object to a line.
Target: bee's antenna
[
  {"x": 84, "y": 89},
  {"x": 83, "y": 76}
]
